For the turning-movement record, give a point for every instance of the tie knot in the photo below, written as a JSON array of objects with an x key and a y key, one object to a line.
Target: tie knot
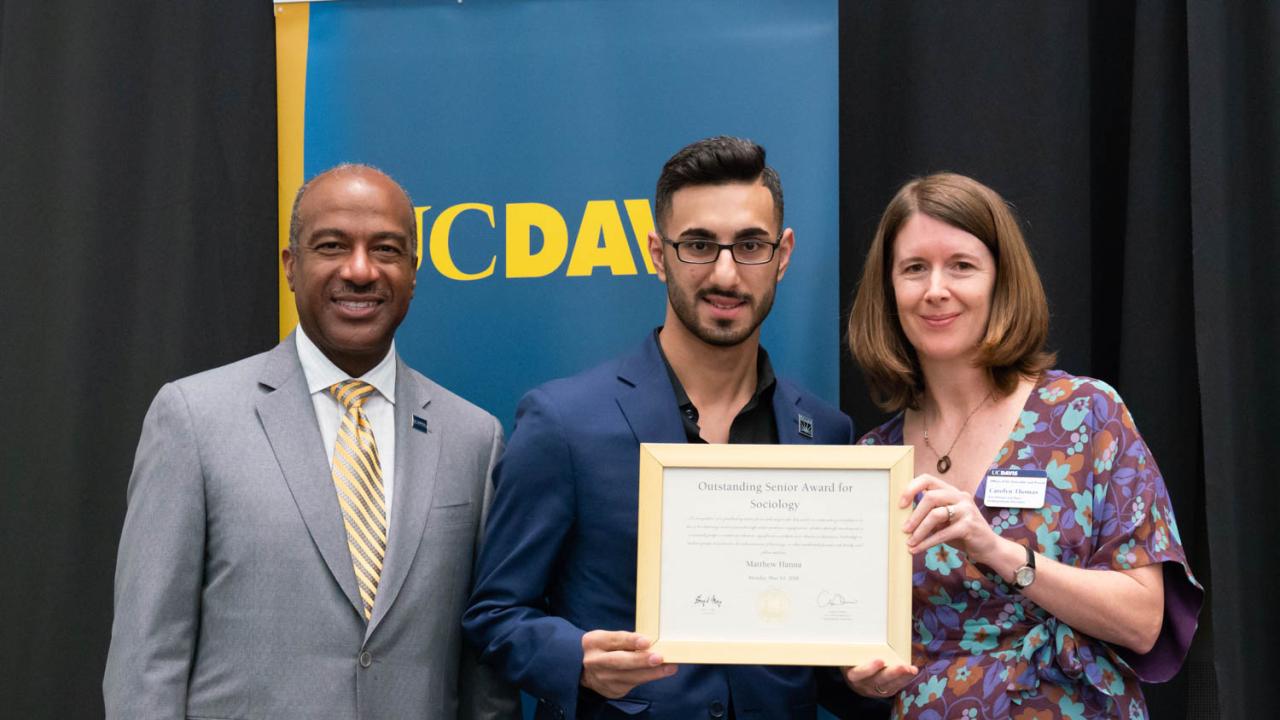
[{"x": 351, "y": 393}]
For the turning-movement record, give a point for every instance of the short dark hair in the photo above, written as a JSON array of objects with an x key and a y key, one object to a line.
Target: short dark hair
[
  {"x": 716, "y": 161},
  {"x": 1017, "y": 327},
  {"x": 295, "y": 219}
]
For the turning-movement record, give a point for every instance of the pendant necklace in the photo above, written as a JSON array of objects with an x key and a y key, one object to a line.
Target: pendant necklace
[{"x": 944, "y": 459}]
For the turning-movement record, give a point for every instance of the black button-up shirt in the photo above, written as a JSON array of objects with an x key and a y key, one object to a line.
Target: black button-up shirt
[{"x": 754, "y": 423}]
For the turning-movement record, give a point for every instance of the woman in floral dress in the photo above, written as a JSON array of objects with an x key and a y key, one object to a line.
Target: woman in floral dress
[{"x": 1022, "y": 608}]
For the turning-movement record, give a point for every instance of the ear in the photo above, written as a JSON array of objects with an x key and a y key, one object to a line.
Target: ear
[
  {"x": 286, "y": 257},
  {"x": 656, "y": 250},
  {"x": 785, "y": 246}
]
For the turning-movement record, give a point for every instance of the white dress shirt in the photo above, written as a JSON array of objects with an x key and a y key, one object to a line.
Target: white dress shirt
[{"x": 380, "y": 407}]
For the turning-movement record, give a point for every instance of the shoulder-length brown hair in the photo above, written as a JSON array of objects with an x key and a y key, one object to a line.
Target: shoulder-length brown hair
[{"x": 1013, "y": 345}]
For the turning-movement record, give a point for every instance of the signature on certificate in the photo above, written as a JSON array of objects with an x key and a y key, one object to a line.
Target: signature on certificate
[
  {"x": 706, "y": 601},
  {"x": 826, "y": 598}
]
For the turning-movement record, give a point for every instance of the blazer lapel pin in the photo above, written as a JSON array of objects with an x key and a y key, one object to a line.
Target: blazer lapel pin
[
  {"x": 419, "y": 424},
  {"x": 806, "y": 426}
]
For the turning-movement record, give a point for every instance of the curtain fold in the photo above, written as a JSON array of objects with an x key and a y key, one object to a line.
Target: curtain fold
[
  {"x": 1234, "y": 83},
  {"x": 137, "y": 213}
]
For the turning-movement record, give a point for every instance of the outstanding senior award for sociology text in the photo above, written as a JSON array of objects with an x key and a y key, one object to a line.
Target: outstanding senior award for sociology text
[{"x": 774, "y": 554}]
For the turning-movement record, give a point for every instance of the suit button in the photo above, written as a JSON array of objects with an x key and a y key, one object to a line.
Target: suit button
[
  {"x": 716, "y": 710},
  {"x": 365, "y": 659}
]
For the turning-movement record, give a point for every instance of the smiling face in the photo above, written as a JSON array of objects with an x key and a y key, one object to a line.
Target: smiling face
[
  {"x": 721, "y": 303},
  {"x": 353, "y": 268},
  {"x": 943, "y": 278}
]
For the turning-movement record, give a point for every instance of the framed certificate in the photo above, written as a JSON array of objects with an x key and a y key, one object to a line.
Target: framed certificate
[{"x": 774, "y": 554}]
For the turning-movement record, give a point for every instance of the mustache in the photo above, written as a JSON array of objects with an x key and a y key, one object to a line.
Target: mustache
[
  {"x": 349, "y": 288},
  {"x": 731, "y": 294}
]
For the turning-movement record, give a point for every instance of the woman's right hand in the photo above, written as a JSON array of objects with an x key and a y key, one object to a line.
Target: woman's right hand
[
  {"x": 946, "y": 514},
  {"x": 874, "y": 679}
]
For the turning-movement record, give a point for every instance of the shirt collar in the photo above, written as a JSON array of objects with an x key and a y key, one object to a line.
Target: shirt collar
[
  {"x": 322, "y": 374},
  {"x": 764, "y": 376}
]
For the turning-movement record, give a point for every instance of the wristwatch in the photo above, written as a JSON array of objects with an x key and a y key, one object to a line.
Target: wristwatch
[{"x": 1025, "y": 575}]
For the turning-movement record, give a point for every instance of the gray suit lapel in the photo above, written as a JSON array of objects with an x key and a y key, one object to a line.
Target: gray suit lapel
[
  {"x": 289, "y": 420},
  {"x": 417, "y": 457}
]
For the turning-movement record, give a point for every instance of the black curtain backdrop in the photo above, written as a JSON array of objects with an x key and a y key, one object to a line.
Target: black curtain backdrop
[
  {"x": 1234, "y": 101},
  {"x": 1138, "y": 141},
  {"x": 138, "y": 217}
]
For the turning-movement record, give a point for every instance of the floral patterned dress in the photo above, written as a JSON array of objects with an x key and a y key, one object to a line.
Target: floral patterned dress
[{"x": 984, "y": 650}]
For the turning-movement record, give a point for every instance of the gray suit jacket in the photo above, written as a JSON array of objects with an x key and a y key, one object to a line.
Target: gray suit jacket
[{"x": 235, "y": 596}]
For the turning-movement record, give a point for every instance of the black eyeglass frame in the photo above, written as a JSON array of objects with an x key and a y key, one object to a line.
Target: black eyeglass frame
[{"x": 721, "y": 247}]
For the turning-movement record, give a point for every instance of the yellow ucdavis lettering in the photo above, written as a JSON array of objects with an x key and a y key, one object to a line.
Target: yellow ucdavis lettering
[
  {"x": 418, "y": 212},
  {"x": 601, "y": 240},
  {"x": 440, "y": 255},
  {"x": 522, "y": 262},
  {"x": 600, "y": 221},
  {"x": 641, "y": 218}
]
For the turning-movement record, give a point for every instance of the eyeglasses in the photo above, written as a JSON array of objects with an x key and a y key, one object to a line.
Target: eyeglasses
[{"x": 705, "y": 252}]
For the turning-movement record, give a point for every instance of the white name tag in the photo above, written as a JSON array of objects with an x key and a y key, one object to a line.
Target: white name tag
[{"x": 1015, "y": 489}]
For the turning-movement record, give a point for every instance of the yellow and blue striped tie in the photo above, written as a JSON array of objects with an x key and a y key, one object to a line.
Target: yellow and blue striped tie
[{"x": 357, "y": 475}]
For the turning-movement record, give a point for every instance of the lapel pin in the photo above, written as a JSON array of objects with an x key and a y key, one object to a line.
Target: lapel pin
[
  {"x": 419, "y": 424},
  {"x": 806, "y": 426}
]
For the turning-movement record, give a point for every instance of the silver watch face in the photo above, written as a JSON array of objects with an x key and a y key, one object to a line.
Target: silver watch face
[{"x": 1024, "y": 576}]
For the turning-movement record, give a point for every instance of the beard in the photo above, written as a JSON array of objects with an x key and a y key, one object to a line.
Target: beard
[{"x": 720, "y": 333}]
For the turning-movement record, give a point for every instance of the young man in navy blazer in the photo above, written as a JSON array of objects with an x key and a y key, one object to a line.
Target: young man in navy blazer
[{"x": 555, "y": 591}]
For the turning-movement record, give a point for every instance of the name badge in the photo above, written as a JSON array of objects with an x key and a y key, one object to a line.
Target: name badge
[{"x": 1015, "y": 489}]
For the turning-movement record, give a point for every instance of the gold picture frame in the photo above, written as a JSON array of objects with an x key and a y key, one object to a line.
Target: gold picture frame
[{"x": 889, "y": 466}]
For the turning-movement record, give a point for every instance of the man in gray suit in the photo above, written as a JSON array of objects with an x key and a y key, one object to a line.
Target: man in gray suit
[{"x": 301, "y": 524}]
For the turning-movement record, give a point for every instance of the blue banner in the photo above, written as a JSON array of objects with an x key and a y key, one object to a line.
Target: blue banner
[{"x": 530, "y": 134}]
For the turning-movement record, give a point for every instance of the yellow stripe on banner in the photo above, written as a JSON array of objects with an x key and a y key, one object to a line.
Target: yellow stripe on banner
[{"x": 292, "y": 30}]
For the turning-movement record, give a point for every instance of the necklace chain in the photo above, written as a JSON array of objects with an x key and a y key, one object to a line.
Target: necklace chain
[{"x": 944, "y": 459}]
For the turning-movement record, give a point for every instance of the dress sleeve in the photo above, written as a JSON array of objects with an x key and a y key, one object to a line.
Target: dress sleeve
[
  {"x": 890, "y": 433},
  {"x": 1134, "y": 526}
]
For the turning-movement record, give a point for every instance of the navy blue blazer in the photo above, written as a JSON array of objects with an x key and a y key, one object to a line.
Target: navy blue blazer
[{"x": 559, "y": 556}]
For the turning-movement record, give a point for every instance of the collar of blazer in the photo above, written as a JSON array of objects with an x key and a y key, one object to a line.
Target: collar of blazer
[
  {"x": 304, "y": 463},
  {"x": 648, "y": 401}
]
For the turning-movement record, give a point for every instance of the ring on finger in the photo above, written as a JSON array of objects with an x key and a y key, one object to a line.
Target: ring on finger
[
  {"x": 950, "y": 514},
  {"x": 879, "y": 690}
]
